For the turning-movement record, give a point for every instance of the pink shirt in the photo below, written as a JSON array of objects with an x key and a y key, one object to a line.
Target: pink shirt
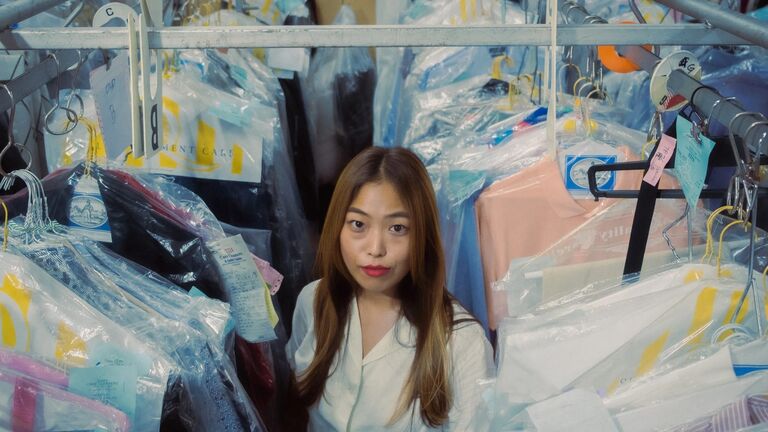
[{"x": 528, "y": 212}]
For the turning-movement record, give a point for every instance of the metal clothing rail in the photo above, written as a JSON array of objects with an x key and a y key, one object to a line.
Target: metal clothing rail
[
  {"x": 20, "y": 10},
  {"x": 704, "y": 98},
  {"x": 738, "y": 24},
  {"x": 366, "y": 36},
  {"x": 36, "y": 77}
]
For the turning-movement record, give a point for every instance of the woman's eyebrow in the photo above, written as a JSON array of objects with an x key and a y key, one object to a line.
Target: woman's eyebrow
[
  {"x": 397, "y": 214},
  {"x": 356, "y": 210}
]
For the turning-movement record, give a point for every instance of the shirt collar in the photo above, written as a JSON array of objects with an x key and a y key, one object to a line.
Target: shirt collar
[{"x": 401, "y": 336}]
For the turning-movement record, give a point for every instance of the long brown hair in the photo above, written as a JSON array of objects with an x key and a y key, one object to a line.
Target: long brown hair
[{"x": 424, "y": 300}]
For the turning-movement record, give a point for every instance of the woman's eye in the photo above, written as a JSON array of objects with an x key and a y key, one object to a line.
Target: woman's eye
[
  {"x": 399, "y": 229},
  {"x": 356, "y": 225}
]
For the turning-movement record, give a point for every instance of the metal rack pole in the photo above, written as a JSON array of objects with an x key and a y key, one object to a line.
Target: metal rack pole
[
  {"x": 20, "y": 10},
  {"x": 365, "y": 36},
  {"x": 738, "y": 24},
  {"x": 36, "y": 77},
  {"x": 702, "y": 97}
]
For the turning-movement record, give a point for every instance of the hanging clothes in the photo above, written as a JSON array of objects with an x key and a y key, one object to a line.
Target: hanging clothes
[{"x": 51, "y": 322}]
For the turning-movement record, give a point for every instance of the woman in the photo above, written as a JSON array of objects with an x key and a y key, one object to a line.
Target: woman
[{"x": 378, "y": 343}]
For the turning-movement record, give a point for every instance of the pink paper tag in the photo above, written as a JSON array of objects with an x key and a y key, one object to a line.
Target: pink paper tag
[
  {"x": 272, "y": 277},
  {"x": 660, "y": 158}
]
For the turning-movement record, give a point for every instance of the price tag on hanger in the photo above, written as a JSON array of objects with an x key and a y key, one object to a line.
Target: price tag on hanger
[
  {"x": 692, "y": 160},
  {"x": 660, "y": 95},
  {"x": 660, "y": 158},
  {"x": 110, "y": 92}
]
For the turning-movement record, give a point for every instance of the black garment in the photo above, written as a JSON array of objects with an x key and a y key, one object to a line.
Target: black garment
[{"x": 354, "y": 122}]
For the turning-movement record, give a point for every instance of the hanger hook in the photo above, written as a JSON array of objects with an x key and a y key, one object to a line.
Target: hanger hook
[
  {"x": 758, "y": 147},
  {"x": 571, "y": 7},
  {"x": 716, "y": 104},
  {"x": 71, "y": 115},
  {"x": 11, "y": 140},
  {"x": 731, "y": 137}
]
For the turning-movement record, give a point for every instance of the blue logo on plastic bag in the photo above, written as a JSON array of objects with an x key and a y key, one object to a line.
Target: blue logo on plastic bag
[{"x": 576, "y": 167}]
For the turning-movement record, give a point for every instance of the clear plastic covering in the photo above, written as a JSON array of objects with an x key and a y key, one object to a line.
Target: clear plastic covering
[
  {"x": 29, "y": 403},
  {"x": 52, "y": 323},
  {"x": 158, "y": 224},
  {"x": 231, "y": 152},
  {"x": 405, "y": 71},
  {"x": 338, "y": 97},
  {"x": 662, "y": 338}
]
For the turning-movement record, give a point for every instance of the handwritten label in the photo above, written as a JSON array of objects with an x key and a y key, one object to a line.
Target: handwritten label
[
  {"x": 113, "y": 107},
  {"x": 245, "y": 288},
  {"x": 692, "y": 160},
  {"x": 111, "y": 385},
  {"x": 663, "y": 153}
]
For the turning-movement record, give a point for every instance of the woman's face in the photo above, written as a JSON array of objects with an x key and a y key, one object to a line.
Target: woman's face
[{"x": 375, "y": 239}]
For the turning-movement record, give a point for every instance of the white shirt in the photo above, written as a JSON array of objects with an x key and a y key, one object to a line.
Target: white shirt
[{"x": 363, "y": 393}]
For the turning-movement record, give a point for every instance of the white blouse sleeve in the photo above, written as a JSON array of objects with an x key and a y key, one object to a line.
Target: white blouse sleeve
[
  {"x": 472, "y": 358},
  {"x": 303, "y": 320}
]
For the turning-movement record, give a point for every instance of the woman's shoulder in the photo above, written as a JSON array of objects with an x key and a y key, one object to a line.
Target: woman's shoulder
[
  {"x": 465, "y": 328},
  {"x": 307, "y": 297}
]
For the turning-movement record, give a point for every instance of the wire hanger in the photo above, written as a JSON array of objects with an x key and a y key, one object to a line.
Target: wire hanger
[
  {"x": 71, "y": 115},
  {"x": 11, "y": 141}
]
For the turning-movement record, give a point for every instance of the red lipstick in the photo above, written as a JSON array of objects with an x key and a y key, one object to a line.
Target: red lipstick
[{"x": 375, "y": 271}]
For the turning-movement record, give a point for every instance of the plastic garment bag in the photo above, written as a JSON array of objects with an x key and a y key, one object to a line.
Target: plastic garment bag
[
  {"x": 594, "y": 253},
  {"x": 232, "y": 152},
  {"x": 634, "y": 329},
  {"x": 200, "y": 407},
  {"x": 405, "y": 71},
  {"x": 51, "y": 322},
  {"x": 459, "y": 175},
  {"x": 31, "y": 403},
  {"x": 162, "y": 226},
  {"x": 338, "y": 96},
  {"x": 213, "y": 397}
]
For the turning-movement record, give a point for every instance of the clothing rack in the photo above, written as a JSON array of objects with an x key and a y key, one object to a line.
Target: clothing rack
[
  {"x": 708, "y": 103},
  {"x": 738, "y": 24}
]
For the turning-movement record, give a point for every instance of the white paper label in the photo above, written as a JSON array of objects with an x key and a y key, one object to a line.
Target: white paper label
[
  {"x": 113, "y": 107},
  {"x": 292, "y": 59},
  {"x": 87, "y": 212},
  {"x": 245, "y": 288}
]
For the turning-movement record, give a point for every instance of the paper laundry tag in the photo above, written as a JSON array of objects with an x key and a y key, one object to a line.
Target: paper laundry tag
[
  {"x": 292, "y": 59},
  {"x": 692, "y": 160},
  {"x": 575, "y": 411},
  {"x": 113, "y": 108},
  {"x": 272, "y": 277},
  {"x": 663, "y": 154},
  {"x": 87, "y": 213},
  {"x": 245, "y": 287},
  {"x": 111, "y": 385},
  {"x": 576, "y": 167}
]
